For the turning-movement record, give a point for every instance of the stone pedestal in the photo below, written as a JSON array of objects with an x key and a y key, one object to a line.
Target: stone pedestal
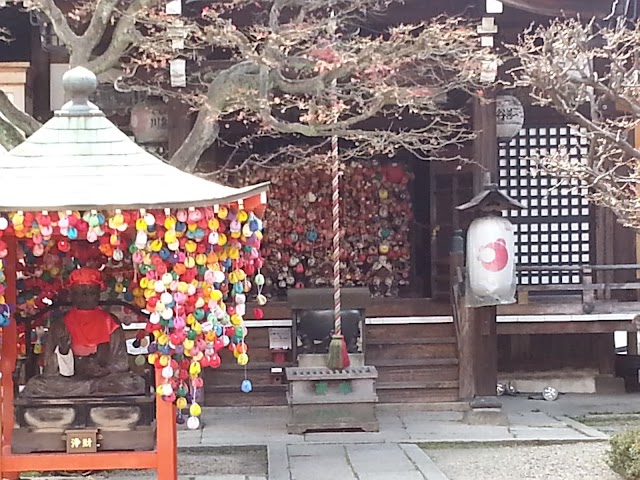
[
  {"x": 485, "y": 411},
  {"x": 321, "y": 399},
  {"x": 123, "y": 423}
]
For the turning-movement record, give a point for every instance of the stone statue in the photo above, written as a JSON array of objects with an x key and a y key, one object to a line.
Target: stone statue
[{"x": 86, "y": 353}]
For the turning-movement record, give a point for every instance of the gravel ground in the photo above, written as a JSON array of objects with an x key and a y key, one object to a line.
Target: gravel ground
[{"x": 579, "y": 461}]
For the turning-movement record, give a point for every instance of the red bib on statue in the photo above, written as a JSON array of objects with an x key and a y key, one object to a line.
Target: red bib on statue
[{"x": 88, "y": 329}]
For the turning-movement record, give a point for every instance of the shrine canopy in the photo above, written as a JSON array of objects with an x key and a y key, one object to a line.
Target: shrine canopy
[{"x": 79, "y": 160}]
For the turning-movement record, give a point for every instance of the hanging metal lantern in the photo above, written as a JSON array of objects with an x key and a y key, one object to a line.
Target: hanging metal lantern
[
  {"x": 150, "y": 122},
  {"x": 509, "y": 117}
]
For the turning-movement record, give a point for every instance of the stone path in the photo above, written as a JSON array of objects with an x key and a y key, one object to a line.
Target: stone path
[
  {"x": 393, "y": 453},
  {"x": 267, "y": 426},
  {"x": 360, "y": 462}
]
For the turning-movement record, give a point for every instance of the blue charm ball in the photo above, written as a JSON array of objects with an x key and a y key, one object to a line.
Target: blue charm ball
[{"x": 246, "y": 386}]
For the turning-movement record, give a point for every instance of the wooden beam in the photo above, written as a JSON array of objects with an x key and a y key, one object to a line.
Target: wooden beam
[
  {"x": 51, "y": 462},
  {"x": 558, "y": 328}
]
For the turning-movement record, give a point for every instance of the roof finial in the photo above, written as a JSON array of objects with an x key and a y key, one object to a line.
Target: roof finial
[{"x": 79, "y": 83}]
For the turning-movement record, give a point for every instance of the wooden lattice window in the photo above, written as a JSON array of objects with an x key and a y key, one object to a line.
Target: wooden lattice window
[{"x": 554, "y": 229}]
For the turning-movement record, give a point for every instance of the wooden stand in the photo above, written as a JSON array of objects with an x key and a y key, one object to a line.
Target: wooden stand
[{"x": 164, "y": 459}]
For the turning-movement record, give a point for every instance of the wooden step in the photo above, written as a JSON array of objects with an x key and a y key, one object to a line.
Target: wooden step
[
  {"x": 411, "y": 362},
  {"x": 418, "y": 395},
  {"x": 409, "y": 352},
  {"x": 417, "y": 385},
  {"x": 411, "y": 341},
  {"x": 239, "y": 399},
  {"x": 404, "y": 332},
  {"x": 418, "y": 374}
]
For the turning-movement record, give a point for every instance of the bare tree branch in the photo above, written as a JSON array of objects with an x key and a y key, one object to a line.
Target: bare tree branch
[
  {"x": 283, "y": 62},
  {"x": 591, "y": 75},
  {"x": 99, "y": 22},
  {"x": 18, "y": 118}
]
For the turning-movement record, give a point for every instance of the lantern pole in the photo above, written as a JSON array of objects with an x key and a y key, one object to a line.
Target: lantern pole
[{"x": 338, "y": 357}]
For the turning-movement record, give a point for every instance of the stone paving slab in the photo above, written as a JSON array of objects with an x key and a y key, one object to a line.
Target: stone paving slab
[
  {"x": 434, "y": 432},
  {"x": 534, "y": 419},
  {"x": 320, "y": 468},
  {"x": 538, "y": 433},
  {"x": 278, "y": 462},
  {"x": 584, "y": 429},
  {"x": 392, "y": 476},
  {"x": 423, "y": 462},
  {"x": 372, "y": 459}
]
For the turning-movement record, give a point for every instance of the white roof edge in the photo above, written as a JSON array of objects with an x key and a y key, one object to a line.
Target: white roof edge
[{"x": 239, "y": 194}]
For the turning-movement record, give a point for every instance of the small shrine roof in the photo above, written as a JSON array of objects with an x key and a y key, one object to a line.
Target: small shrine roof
[{"x": 80, "y": 160}]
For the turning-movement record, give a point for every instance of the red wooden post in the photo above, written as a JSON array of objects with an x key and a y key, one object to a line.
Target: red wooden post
[
  {"x": 9, "y": 355},
  {"x": 166, "y": 437}
]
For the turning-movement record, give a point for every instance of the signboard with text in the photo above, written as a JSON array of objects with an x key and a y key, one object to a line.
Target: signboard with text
[{"x": 82, "y": 441}]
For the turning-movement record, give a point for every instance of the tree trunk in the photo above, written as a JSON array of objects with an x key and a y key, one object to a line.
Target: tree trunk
[{"x": 203, "y": 134}]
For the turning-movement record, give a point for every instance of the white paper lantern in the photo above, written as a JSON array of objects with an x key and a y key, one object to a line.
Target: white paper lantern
[
  {"x": 509, "y": 117},
  {"x": 491, "y": 265}
]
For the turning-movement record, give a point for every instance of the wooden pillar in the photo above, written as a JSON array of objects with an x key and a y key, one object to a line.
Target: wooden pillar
[
  {"x": 483, "y": 327},
  {"x": 606, "y": 354},
  {"x": 485, "y": 145},
  {"x": 166, "y": 437},
  {"x": 632, "y": 343},
  {"x": 9, "y": 355},
  {"x": 40, "y": 79}
]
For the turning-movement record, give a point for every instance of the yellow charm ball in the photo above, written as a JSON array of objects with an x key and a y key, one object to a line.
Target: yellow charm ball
[
  {"x": 195, "y": 410},
  {"x": 194, "y": 369},
  {"x": 181, "y": 403},
  {"x": 243, "y": 359},
  {"x": 216, "y": 295},
  {"x": 242, "y": 216},
  {"x": 170, "y": 236}
]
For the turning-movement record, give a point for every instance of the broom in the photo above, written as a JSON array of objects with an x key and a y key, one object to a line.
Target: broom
[{"x": 338, "y": 357}]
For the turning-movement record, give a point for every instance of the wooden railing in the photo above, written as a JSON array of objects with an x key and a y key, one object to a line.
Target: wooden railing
[{"x": 595, "y": 283}]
